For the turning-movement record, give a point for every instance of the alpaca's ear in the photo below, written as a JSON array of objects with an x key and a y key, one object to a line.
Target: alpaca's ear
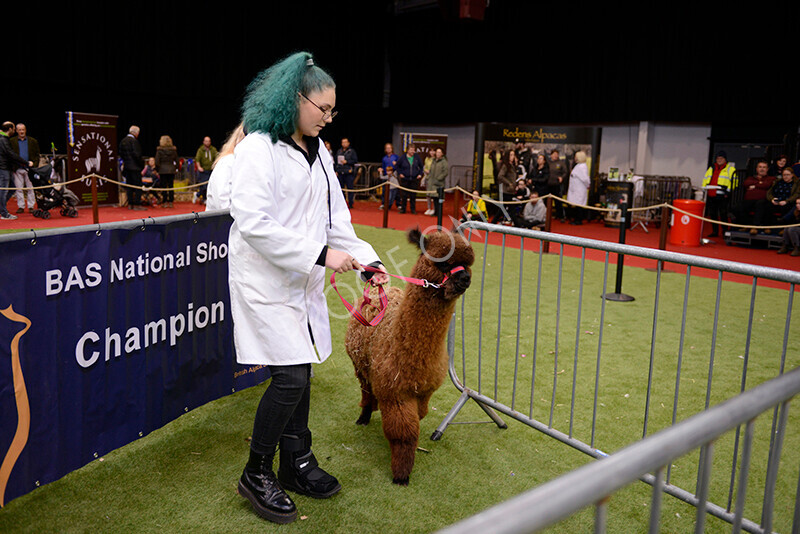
[{"x": 415, "y": 237}]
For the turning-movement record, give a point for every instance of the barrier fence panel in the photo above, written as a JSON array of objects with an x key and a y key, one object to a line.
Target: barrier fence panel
[
  {"x": 654, "y": 191},
  {"x": 534, "y": 340},
  {"x": 593, "y": 484},
  {"x": 460, "y": 176}
]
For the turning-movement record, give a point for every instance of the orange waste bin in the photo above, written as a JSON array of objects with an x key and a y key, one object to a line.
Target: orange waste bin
[{"x": 684, "y": 229}]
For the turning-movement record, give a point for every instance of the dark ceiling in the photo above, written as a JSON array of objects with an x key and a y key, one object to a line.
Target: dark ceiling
[{"x": 180, "y": 69}]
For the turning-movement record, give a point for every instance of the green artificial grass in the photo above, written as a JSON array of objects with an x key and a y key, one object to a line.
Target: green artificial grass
[{"x": 182, "y": 477}]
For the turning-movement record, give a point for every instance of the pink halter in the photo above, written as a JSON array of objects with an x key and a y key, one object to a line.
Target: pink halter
[{"x": 383, "y": 300}]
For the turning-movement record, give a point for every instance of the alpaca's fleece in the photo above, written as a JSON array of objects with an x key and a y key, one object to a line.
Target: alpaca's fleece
[{"x": 402, "y": 361}]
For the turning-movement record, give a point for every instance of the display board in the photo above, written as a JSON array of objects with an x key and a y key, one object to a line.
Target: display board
[
  {"x": 92, "y": 149},
  {"x": 424, "y": 142}
]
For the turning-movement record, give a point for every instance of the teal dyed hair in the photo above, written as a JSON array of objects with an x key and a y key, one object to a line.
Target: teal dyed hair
[{"x": 271, "y": 103}]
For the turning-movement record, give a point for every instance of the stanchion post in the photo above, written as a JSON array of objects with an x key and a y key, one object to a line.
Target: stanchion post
[
  {"x": 547, "y": 221},
  {"x": 386, "y": 205},
  {"x": 662, "y": 236},
  {"x": 439, "y": 205},
  {"x": 618, "y": 295},
  {"x": 95, "y": 211}
]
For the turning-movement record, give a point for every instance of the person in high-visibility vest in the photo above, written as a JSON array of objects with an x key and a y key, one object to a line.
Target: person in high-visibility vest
[{"x": 717, "y": 183}]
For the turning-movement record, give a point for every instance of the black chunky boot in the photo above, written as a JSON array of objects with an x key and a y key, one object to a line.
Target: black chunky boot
[
  {"x": 299, "y": 470},
  {"x": 260, "y": 486}
]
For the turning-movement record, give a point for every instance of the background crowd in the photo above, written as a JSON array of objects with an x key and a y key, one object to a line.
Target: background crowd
[{"x": 769, "y": 196}]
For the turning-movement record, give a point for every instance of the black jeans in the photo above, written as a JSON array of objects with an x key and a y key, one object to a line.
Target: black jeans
[
  {"x": 133, "y": 178},
  {"x": 167, "y": 181},
  {"x": 717, "y": 209},
  {"x": 283, "y": 408},
  {"x": 347, "y": 181},
  {"x": 504, "y": 210},
  {"x": 407, "y": 197},
  {"x": 203, "y": 177},
  {"x": 5, "y": 180}
]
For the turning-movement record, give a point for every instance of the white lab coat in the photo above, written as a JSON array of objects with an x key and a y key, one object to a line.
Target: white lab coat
[
  {"x": 281, "y": 223},
  {"x": 579, "y": 182},
  {"x": 218, "y": 192}
]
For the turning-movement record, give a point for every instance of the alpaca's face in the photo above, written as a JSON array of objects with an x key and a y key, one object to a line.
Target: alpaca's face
[{"x": 441, "y": 253}]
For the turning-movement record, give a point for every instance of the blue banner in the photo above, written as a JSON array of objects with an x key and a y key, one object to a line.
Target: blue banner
[{"x": 107, "y": 335}]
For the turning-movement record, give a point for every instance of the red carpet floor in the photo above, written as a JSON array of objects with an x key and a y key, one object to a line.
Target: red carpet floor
[{"x": 367, "y": 213}]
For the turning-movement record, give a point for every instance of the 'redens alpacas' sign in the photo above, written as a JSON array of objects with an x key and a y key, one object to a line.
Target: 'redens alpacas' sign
[{"x": 402, "y": 361}]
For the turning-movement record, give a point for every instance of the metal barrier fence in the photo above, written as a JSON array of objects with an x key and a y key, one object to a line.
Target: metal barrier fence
[
  {"x": 670, "y": 366},
  {"x": 367, "y": 178},
  {"x": 593, "y": 484},
  {"x": 656, "y": 190},
  {"x": 460, "y": 176}
]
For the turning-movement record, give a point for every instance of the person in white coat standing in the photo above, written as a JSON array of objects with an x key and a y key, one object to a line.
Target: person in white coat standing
[
  {"x": 578, "y": 192},
  {"x": 290, "y": 222},
  {"x": 218, "y": 190}
]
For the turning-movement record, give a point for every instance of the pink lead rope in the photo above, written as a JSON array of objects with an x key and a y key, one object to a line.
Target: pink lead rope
[{"x": 383, "y": 300}]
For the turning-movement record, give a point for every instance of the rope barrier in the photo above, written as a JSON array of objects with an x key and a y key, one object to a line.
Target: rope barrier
[
  {"x": 429, "y": 193},
  {"x": 748, "y": 226},
  {"x": 143, "y": 187},
  {"x": 43, "y": 186},
  {"x": 597, "y": 208},
  {"x": 110, "y": 180}
]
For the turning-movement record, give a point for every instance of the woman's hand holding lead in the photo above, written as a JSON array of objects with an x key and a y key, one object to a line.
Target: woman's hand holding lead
[
  {"x": 340, "y": 261},
  {"x": 380, "y": 278}
]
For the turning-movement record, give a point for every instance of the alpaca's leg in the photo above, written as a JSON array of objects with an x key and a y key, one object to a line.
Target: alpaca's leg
[
  {"x": 367, "y": 405},
  {"x": 422, "y": 406},
  {"x": 401, "y": 428},
  {"x": 368, "y": 401}
]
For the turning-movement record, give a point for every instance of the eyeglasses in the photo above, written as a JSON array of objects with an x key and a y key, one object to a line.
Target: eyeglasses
[{"x": 326, "y": 113}]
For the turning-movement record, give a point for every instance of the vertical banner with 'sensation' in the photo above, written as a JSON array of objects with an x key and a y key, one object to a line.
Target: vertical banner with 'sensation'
[{"x": 92, "y": 150}]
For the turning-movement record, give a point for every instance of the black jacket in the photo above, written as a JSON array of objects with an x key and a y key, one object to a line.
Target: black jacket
[
  {"x": 131, "y": 153},
  {"x": 558, "y": 168},
  {"x": 409, "y": 172},
  {"x": 539, "y": 176},
  {"x": 9, "y": 160},
  {"x": 33, "y": 149},
  {"x": 166, "y": 160},
  {"x": 350, "y": 158}
]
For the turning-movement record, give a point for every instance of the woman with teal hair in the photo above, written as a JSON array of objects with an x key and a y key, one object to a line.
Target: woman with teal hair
[{"x": 290, "y": 222}]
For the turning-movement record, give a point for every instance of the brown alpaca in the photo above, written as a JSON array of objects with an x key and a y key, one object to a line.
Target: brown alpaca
[{"x": 403, "y": 360}]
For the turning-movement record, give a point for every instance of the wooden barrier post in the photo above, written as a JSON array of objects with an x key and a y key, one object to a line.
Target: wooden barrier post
[
  {"x": 547, "y": 220},
  {"x": 386, "y": 205},
  {"x": 662, "y": 236},
  {"x": 457, "y": 204},
  {"x": 95, "y": 211}
]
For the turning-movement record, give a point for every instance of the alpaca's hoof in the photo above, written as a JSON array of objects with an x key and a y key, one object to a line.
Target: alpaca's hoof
[
  {"x": 366, "y": 414},
  {"x": 400, "y": 481},
  {"x": 363, "y": 420}
]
